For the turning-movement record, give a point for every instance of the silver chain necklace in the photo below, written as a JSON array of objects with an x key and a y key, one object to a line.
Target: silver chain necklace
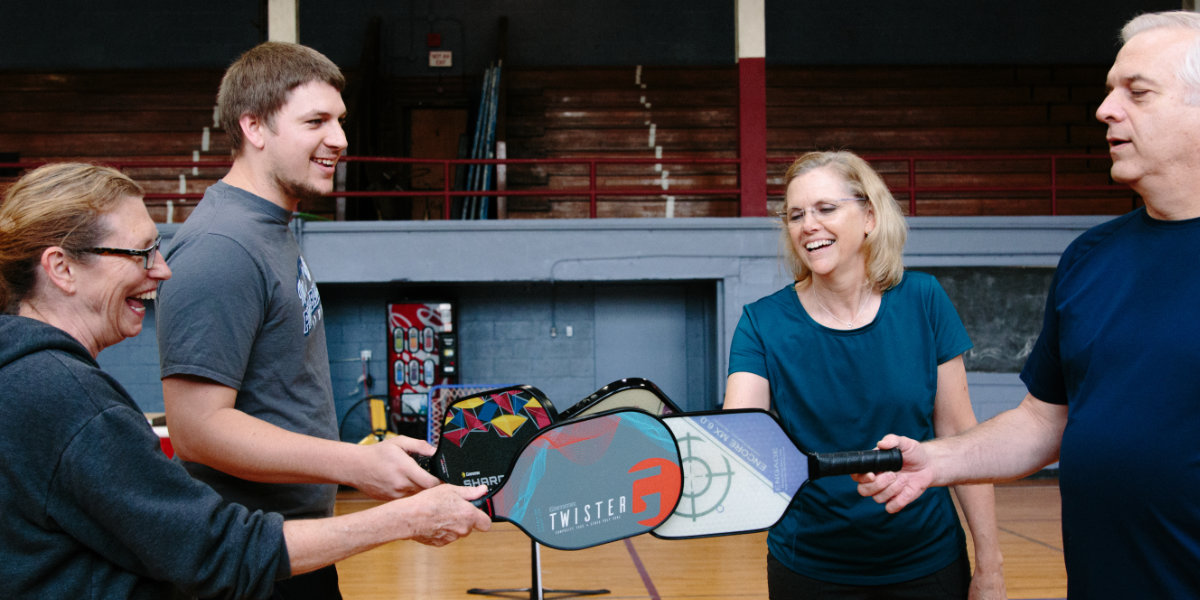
[{"x": 850, "y": 323}]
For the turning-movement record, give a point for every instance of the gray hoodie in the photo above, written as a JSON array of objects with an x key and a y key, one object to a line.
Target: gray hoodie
[{"x": 90, "y": 507}]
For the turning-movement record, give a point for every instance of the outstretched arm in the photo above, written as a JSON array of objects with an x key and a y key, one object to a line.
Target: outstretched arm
[
  {"x": 207, "y": 428},
  {"x": 436, "y": 517},
  {"x": 1010, "y": 445}
]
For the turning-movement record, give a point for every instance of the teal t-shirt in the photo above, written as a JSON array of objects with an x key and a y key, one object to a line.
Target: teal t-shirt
[{"x": 844, "y": 390}]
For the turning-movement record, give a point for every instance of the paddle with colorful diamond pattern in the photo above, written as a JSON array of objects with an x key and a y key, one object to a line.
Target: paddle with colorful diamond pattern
[{"x": 482, "y": 433}]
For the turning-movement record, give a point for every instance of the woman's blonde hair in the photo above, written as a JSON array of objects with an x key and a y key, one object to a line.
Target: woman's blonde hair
[
  {"x": 58, "y": 204},
  {"x": 884, "y": 245}
]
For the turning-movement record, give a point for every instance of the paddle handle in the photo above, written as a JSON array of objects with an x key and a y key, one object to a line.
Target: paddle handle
[
  {"x": 858, "y": 461},
  {"x": 485, "y": 504}
]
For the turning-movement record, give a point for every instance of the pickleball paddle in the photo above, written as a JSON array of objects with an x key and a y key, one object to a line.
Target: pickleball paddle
[
  {"x": 631, "y": 392},
  {"x": 471, "y": 457},
  {"x": 591, "y": 481},
  {"x": 482, "y": 433},
  {"x": 741, "y": 470}
]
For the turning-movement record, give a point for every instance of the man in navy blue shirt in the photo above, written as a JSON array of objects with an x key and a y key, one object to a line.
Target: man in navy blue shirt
[{"x": 1114, "y": 394}]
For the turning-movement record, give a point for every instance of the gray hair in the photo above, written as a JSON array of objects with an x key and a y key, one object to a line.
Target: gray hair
[{"x": 1189, "y": 71}]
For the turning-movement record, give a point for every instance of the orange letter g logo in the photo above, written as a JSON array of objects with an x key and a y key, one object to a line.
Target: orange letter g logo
[{"x": 667, "y": 483}]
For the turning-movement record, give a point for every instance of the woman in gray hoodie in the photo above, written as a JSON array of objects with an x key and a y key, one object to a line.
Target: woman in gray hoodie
[{"x": 91, "y": 507}]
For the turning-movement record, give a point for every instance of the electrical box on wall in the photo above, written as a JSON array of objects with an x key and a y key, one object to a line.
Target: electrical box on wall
[{"x": 422, "y": 354}]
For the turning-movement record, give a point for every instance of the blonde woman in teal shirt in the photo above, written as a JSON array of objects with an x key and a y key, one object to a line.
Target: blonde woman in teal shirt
[{"x": 855, "y": 349}]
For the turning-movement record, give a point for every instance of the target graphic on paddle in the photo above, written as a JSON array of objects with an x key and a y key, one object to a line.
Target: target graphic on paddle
[
  {"x": 741, "y": 471},
  {"x": 707, "y": 477}
]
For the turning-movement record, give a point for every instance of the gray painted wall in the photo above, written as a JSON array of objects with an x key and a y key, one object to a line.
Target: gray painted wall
[
  {"x": 566, "y": 339},
  {"x": 514, "y": 280}
]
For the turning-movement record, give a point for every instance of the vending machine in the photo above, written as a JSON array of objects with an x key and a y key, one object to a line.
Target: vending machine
[{"x": 422, "y": 354}]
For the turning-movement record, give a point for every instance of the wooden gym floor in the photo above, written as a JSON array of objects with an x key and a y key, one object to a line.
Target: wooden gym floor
[{"x": 645, "y": 567}]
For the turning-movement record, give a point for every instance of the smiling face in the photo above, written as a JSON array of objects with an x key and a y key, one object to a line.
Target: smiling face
[
  {"x": 826, "y": 224},
  {"x": 112, "y": 289},
  {"x": 1153, "y": 132},
  {"x": 303, "y": 142}
]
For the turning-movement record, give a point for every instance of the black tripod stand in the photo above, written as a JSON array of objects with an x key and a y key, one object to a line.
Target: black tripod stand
[{"x": 535, "y": 590}]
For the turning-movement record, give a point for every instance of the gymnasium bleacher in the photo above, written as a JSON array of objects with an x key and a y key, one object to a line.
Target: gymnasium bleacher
[{"x": 972, "y": 140}]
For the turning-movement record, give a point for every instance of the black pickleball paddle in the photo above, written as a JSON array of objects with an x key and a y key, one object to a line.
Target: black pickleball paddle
[
  {"x": 631, "y": 392},
  {"x": 481, "y": 434}
]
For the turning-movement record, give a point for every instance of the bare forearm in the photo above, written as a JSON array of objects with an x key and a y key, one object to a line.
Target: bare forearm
[
  {"x": 978, "y": 502},
  {"x": 436, "y": 517},
  {"x": 1012, "y": 444},
  {"x": 207, "y": 427},
  {"x": 315, "y": 543},
  {"x": 250, "y": 448}
]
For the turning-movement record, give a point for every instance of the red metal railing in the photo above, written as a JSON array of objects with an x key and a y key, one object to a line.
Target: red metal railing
[
  {"x": 594, "y": 190},
  {"x": 1052, "y": 187}
]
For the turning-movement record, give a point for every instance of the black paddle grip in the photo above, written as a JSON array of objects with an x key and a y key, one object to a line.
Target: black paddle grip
[
  {"x": 485, "y": 504},
  {"x": 859, "y": 461}
]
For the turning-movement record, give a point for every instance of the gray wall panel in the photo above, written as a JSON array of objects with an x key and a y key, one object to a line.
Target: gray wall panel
[{"x": 515, "y": 280}]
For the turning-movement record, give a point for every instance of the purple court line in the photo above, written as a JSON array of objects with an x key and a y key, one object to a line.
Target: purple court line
[
  {"x": 641, "y": 568},
  {"x": 1033, "y": 540}
]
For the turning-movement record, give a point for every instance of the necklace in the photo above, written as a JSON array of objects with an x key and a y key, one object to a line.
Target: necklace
[{"x": 849, "y": 324}]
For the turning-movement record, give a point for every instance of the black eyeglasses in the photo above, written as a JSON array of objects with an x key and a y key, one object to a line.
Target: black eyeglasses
[{"x": 147, "y": 254}]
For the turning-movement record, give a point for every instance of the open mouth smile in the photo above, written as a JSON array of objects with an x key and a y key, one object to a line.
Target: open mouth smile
[{"x": 137, "y": 302}]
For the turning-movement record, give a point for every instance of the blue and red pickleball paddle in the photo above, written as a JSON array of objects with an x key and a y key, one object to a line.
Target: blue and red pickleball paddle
[{"x": 591, "y": 481}]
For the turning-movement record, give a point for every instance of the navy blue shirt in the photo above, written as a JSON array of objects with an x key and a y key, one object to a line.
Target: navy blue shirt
[
  {"x": 1120, "y": 346},
  {"x": 844, "y": 390}
]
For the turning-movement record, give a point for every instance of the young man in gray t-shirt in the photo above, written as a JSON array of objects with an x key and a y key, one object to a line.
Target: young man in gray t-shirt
[{"x": 241, "y": 328}]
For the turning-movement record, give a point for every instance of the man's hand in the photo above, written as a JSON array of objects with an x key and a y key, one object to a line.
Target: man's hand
[
  {"x": 898, "y": 489},
  {"x": 389, "y": 470},
  {"x": 445, "y": 513}
]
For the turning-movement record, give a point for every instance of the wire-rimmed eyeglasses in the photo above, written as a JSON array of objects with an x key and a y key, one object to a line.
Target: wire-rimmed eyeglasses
[
  {"x": 147, "y": 254},
  {"x": 821, "y": 211}
]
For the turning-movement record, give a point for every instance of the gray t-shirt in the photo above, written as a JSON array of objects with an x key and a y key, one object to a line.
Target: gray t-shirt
[{"x": 242, "y": 309}]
